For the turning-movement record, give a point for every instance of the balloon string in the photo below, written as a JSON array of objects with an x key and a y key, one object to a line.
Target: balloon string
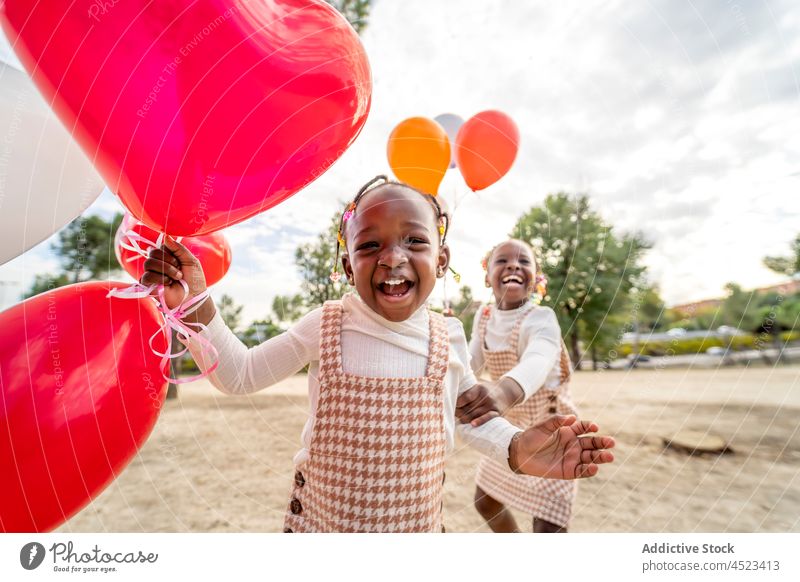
[
  {"x": 130, "y": 240},
  {"x": 173, "y": 322},
  {"x": 456, "y": 203},
  {"x": 172, "y": 317}
]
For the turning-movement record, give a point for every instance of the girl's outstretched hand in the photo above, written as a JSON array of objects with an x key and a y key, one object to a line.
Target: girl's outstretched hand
[
  {"x": 168, "y": 265},
  {"x": 557, "y": 448}
]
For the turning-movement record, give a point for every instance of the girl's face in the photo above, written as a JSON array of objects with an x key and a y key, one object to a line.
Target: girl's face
[
  {"x": 393, "y": 253},
  {"x": 511, "y": 271}
]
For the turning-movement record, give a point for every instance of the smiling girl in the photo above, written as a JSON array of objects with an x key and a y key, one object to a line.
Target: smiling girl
[
  {"x": 519, "y": 344},
  {"x": 384, "y": 376}
]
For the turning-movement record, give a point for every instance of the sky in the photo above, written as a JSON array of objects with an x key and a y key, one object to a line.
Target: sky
[{"x": 679, "y": 119}]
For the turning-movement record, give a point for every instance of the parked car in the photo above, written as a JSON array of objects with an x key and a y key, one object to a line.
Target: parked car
[{"x": 729, "y": 330}]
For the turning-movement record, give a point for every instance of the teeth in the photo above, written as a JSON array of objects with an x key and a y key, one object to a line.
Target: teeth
[
  {"x": 394, "y": 282},
  {"x": 516, "y": 278}
]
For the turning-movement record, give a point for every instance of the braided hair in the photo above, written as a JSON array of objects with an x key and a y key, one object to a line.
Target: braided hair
[{"x": 442, "y": 218}]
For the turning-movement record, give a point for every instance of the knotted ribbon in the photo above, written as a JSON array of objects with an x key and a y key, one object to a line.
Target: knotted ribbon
[{"x": 172, "y": 317}]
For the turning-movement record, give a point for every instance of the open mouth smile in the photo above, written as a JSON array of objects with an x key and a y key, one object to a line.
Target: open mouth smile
[
  {"x": 396, "y": 288},
  {"x": 511, "y": 280}
]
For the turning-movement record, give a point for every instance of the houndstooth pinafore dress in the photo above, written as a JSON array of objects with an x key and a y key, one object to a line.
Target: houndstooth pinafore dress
[
  {"x": 548, "y": 499},
  {"x": 377, "y": 456}
]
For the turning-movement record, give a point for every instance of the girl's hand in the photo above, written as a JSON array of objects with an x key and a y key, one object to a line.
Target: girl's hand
[
  {"x": 477, "y": 405},
  {"x": 556, "y": 449},
  {"x": 170, "y": 264},
  {"x": 482, "y": 402}
]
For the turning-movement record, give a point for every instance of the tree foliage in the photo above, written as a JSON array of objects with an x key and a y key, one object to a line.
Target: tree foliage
[
  {"x": 230, "y": 312},
  {"x": 591, "y": 269},
  {"x": 315, "y": 261},
  {"x": 44, "y": 283},
  {"x": 355, "y": 11},
  {"x": 85, "y": 248},
  {"x": 464, "y": 308},
  {"x": 786, "y": 265},
  {"x": 260, "y": 331}
]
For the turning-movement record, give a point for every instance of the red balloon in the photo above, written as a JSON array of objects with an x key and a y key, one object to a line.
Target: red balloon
[
  {"x": 212, "y": 250},
  {"x": 486, "y": 146},
  {"x": 198, "y": 113},
  {"x": 80, "y": 390}
]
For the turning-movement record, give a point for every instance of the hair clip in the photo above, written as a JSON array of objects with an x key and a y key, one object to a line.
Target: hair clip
[
  {"x": 348, "y": 214},
  {"x": 539, "y": 288}
]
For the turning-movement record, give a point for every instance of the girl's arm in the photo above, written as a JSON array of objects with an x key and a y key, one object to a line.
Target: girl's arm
[
  {"x": 541, "y": 337},
  {"x": 239, "y": 370},
  {"x": 242, "y": 370},
  {"x": 492, "y": 438}
]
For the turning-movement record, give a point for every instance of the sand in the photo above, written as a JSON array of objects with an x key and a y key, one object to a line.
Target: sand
[{"x": 217, "y": 463}]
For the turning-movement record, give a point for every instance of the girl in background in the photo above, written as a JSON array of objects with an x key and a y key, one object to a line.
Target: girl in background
[{"x": 519, "y": 344}]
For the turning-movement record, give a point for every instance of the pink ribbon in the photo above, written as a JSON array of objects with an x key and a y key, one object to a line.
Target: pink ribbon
[{"x": 172, "y": 317}]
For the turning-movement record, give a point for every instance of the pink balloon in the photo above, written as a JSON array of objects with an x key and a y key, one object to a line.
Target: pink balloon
[
  {"x": 198, "y": 113},
  {"x": 80, "y": 390}
]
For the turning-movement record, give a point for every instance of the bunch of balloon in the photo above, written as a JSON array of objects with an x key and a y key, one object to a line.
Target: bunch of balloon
[
  {"x": 483, "y": 148},
  {"x": 192, "y": 140}
]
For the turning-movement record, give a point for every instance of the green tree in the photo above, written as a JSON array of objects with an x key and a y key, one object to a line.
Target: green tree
[
  {"x": 591, "y": 269},
  {"x": 85, "y": 248},
  {"x": 260, "y": 331},
  {"x": 652, "y": 312},
  {"x": 355, "y": 11},
  {"x": 315, "y": 262},
  {"x": 775, "y": 314},
  {"x": 786, "y": 265},
  {"x": 739, "y": 310},
  {"x": 230, "y": 312},
  {"x": 288, "y": 308},
  {"x": 465, "y": 308},
  {"x": 44, "y": 283}
]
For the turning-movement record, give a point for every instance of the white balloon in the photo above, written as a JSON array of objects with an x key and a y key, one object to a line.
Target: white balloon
[
  {"x": 45, "y": 179},
  {"x": 451, "y": 123}
]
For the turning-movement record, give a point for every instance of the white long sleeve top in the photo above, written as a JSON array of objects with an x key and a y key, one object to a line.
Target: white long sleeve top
[
  {"x": 538, "y": 347},
  {"x": 371, "y": 346}
]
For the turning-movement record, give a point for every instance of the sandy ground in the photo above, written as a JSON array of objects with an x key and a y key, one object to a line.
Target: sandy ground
[{"x": 216, "y": 463}]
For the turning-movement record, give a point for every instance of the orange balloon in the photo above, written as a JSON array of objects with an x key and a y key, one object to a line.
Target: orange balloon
[
  {"x": 419, "y": 153},
  {"x": 486, "y": 146}
]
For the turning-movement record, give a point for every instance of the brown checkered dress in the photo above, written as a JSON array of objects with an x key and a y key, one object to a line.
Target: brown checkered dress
[
  {"x": 377, "y": 455},
  {"x": 548, "y": 499}
]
